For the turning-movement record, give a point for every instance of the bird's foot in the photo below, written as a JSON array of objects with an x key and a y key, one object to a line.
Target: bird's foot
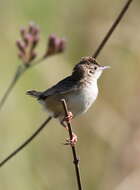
[
  {"x": 72, "y": 141},
  {"x": 69, "y": 117}
]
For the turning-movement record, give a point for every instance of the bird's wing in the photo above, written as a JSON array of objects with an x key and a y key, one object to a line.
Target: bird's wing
[{"x": 64, "y": 86}]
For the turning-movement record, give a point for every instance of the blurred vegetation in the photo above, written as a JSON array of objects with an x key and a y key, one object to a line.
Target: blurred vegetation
[{"x": 109, "y": 134}]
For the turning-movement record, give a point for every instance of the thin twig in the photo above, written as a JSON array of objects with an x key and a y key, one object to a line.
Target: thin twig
[
  {"x": 76, "y": 160},
  {"x": 38, "y": 61},
  {"x": 19, "y": 72},
  {"x": 110, "y": 31},
  {"x": 26, "y": 142}
]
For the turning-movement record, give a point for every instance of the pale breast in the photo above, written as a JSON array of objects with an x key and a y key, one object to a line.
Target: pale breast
[{"x": 81, "y": 101}]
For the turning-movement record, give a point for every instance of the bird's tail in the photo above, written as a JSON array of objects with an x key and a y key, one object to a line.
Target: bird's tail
[{"x": 34, "y": 93}]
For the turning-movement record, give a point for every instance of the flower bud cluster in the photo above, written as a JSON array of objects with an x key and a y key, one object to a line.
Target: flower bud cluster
[
  {"x": 55, "y": 45},
  {"x": 28, "y": 43}
]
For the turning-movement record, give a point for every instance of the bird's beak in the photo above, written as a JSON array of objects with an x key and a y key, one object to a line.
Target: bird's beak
[{"x": 104, "y": 67}]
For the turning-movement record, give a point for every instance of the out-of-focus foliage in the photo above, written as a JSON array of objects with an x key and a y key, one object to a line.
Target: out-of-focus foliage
[{"x": 109, "y": 134}]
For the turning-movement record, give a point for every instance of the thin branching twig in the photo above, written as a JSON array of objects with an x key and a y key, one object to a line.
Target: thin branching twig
[
  {"x": 97, "y": 52},
  {"x": 75, "y": 159},
  {"x": 26, "y": 47}
]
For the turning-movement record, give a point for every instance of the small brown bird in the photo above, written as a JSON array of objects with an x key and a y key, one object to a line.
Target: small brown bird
[{"x": 79, "y": 90}]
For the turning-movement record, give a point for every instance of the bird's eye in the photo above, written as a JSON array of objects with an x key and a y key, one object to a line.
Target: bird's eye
[{"x": 95, "y": 68}]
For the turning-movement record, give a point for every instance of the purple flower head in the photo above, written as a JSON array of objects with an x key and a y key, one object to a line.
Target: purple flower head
[
  {"x": 29, "y": 40},
  {"x": 55, "y": 45}
]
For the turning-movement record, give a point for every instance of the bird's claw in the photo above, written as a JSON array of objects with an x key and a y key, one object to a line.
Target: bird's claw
[
  {"x": 72, "y": 141},
  {"x": 69, "y": 117}
]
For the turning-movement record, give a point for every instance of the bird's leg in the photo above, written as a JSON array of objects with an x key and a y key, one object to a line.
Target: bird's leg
[
  {"x": 66, "y": 119},
  {"x": 74, "y": 136}
]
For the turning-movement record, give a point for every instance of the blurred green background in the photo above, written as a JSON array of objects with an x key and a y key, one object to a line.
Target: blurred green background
[{"x": 109, "y": 134}]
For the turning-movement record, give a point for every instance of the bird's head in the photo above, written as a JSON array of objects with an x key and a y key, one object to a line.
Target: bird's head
[{"x": 88, "y": 67}]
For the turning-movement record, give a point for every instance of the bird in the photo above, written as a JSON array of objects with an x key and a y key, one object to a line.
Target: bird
[{"x": 79, "y": 90}]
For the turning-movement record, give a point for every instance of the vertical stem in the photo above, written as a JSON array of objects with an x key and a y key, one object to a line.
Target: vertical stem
[
  {"x": 76, "y": 160},
  {"x": 20, "y": 70}
]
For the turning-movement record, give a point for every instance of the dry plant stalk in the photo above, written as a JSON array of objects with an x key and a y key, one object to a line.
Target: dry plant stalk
[
  {"x": 27, "y": 53},
  {"x": 75, "y": 159}
]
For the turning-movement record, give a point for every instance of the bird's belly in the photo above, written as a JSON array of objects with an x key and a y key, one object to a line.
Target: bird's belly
[
  {"x": 78, "y": 102},
  {"x": 81, "y": 102}
]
